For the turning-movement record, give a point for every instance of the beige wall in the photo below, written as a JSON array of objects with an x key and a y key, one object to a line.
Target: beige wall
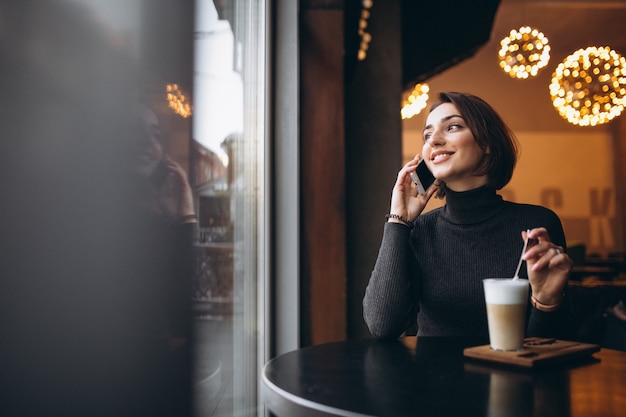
[
  {"x": 573, "y": 174},
  {"x": 570, "y": 172}
]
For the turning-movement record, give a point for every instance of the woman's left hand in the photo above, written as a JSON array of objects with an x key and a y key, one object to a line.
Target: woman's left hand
[{"x": 548, "y": 267}]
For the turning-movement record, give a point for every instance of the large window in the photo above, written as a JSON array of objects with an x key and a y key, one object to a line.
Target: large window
[
  {"x": 103, "y": 120},
  {"x": 227, "y": 174}
]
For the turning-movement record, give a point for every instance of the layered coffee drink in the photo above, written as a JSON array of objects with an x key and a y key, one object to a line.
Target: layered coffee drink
[{"x": 506, "y": 301}]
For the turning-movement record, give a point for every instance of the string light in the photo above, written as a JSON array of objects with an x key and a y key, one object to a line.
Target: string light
[
  {"x": 366, "y": 37},
  {"x": 589, "y": 87},
  {"x": 177, "y": 101},
  {"x": 524, "y": 52},
  {"x": 415, "y": 101}
]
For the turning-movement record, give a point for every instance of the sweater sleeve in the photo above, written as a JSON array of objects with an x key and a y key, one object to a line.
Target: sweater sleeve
[
  {"x": 554, "y": 324},
  {"x": 390, "y": 302},
  {"x": 557, "y": 323}
]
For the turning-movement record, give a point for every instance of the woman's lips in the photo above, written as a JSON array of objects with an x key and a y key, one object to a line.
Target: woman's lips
[{"x": 440, "y": 156}]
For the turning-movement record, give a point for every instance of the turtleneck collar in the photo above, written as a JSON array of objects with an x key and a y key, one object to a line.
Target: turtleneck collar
[{"x": 473, "y": 206}]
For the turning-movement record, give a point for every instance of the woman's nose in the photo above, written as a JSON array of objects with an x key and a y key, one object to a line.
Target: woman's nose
[{"x": 436, "y": 138}]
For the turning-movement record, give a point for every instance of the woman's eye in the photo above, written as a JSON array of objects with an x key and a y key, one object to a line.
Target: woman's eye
[{"x": 427, "y": 136}]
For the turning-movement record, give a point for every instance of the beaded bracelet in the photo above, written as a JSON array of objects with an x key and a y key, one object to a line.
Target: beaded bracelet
[
  {"x": 404, "y": 220},
  {"x": 543, "y": 307},
  {"x": 188, "y": 218}
]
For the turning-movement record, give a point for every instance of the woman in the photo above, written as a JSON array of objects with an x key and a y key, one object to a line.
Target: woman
[
  {"x": 430, "y": 266},
  {"x": 160, "y": 241}
]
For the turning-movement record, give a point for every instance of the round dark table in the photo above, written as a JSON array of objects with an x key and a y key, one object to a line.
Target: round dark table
[{"x": 431, "y": 377}]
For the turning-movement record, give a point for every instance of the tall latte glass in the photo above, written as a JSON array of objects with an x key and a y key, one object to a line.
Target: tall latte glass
[{"x": 506, "y": 301}]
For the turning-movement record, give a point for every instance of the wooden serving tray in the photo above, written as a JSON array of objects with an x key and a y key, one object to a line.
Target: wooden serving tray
[{"x": 537, "y": 351}]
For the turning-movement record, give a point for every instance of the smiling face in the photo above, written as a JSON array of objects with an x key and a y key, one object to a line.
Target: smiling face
[{"x": 450, "y": 150}]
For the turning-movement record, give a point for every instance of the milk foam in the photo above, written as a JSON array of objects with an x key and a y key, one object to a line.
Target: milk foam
[{"x": 506, "y": 291}]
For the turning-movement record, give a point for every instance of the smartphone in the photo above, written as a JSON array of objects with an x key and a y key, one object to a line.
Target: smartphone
[{"x": 422, "y": 177}]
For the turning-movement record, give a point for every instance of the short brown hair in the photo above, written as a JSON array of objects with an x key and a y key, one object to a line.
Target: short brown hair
[{"x": 490, "y": 132}]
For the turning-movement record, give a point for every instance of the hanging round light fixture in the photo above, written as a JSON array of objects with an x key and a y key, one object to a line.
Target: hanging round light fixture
[
  {"x": 415, "y": 101},
  {"x": 524, "y": 52},
  {"x": 589, "y": 87}
]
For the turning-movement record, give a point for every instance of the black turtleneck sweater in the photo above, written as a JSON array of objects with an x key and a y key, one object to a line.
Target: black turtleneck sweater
[{"x": 433, "y": 273}]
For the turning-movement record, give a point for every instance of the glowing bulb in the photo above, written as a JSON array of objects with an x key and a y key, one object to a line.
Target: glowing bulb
[
  {"x": 524, "y": 52},
  {"x": 588, "y": 87},
  {"x": 415, "y": 101}
]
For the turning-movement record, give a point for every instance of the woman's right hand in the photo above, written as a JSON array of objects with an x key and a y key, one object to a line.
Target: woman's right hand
[{"x": 405, "y": 200}]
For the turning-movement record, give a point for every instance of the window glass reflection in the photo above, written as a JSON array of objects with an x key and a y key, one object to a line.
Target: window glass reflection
[{"x": 226, "y": 165}]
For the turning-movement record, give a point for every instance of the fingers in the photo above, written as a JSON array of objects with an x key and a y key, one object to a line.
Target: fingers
[
  {"x": 175, "y": 168},
  {"x": 404, "y": 182},
  {"x": 548, "y": 266},
  {"x": 542, "y": 253},
  {"x": 416, "y": 158},
  {"x": 539, "y": 233},
  {"x": 171, "y": 163},
  {"x": 432, "y": 190},
  {"x": 409, "y": 166},
  {"x": 555, "y": 257},
  {"x": 551, "y": 259},
  {"x": 405, "y": 200}
]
